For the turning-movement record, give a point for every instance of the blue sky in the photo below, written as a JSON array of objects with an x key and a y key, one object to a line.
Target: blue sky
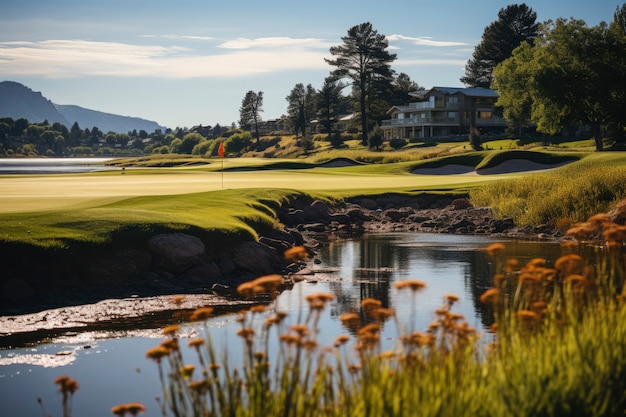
[{"x": 191, "y": 62}]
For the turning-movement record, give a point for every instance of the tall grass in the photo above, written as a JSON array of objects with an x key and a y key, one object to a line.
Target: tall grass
[
  {"x": 558, "y": 348},
  {"x": 573, "y": 193}
]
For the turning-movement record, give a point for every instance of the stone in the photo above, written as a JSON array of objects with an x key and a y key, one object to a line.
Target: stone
[
  {"x": 176, "y": 252},
  {"x": 460, "y": 204},
  {"x": 121, "y": 267},
  {"x": 317, "y": 211},
  {"x": 256, "y": 257},
  {"x": 396, "y": 215}
]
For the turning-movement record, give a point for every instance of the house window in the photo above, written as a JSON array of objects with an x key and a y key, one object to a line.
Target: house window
[
  {"x": 484, "y": 115},
  {"x": 452, "y": 115},
  {"x": 453, "y": 100}
]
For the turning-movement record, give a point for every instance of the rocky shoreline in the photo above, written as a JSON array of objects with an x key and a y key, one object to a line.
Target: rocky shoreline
[{"x": 133, "y": 282}]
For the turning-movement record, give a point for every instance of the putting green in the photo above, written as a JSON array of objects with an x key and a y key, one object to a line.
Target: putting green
[{"x": 27, "y": 193}]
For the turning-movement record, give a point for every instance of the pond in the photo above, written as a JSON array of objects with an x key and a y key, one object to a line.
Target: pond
[{"x": 111, "y": 366}]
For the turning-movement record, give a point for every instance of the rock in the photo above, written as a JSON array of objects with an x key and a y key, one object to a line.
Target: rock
[
  {"x": 256, "y": 257},
  {"x": 460, "y": 224},
  {"x": 460, "y": 204},
  {"x": 176, "y": 252},
  {"x": 279, "y": 245},
  {"x": 502, "y": 225},
  {"x": 119, "y": 268},
  {"x": 314, "y": 227},
  {"x": 340, "y": 218},
  {"x": 396, "y": 215},
  {"x": 204, "y": 272},
  {"x": 281, "y": 235},
  {"x": 293, "y": 217},
  {"x": 356, "y": 213},
  {"x": 368, "y": 204},
  {"x": 317, "y": 211}
]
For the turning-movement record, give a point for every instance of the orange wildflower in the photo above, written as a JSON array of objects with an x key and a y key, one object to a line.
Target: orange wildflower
[
  {"x": 171, "y": 330},
  {"x": 495, "y": 249},
  {"x": 490, "y": 296},
  {"x": 412, "y": 284},
  {"x": 201, "y": 314},
  {"x": 296, "y": 253}
]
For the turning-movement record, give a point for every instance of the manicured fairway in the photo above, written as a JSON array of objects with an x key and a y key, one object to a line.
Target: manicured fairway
[{"x": 51, "y": 192}]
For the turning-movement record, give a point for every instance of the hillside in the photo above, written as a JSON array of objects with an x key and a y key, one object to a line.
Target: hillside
[{"x": 18, "y": 101}]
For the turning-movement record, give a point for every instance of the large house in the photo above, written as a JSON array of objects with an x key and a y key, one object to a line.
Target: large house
[{"x": 444, "y": 111}]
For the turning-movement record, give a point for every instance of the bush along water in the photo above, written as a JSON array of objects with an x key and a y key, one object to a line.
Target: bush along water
[{"x": 557, "y": 347}]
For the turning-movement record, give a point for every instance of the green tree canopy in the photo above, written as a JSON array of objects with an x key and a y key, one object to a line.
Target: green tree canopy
[
  {"x": 575, "y": 74},
  {"x": 301, "y": 107},
  {"x": 364, "y": 60},
  {"x": 250, "y": 112},
  {"x": 516, "y": 23},
  {"x": 329, "y": 103}
]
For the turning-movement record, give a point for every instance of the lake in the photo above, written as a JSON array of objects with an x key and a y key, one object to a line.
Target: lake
[
  {"x": 111, "y": 366},
  {"x": 52, "y": 165}
]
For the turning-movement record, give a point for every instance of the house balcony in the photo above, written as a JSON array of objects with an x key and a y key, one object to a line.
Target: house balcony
[{"x": 422, "y": 121}]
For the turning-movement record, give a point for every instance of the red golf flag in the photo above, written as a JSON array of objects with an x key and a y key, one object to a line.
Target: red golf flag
[{"x": 220, "y": 150}]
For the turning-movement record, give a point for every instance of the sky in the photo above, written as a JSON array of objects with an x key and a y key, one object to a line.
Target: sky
[{"x": 191, "y": 62}]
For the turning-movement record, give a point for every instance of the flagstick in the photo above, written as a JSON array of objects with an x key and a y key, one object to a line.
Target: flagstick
[{"x": 222, "y": 172}]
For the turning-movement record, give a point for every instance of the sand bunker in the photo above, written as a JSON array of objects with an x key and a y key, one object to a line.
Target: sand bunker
[
  {"x": 507, "y": 167},
  {"x": 338, "y": 163},
  {"x": 519, "y": 165},
  {"x": 451, "y": 169}
]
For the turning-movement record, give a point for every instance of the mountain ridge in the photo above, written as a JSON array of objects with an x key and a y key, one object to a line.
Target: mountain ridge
[{"x": 19, "y": 101}]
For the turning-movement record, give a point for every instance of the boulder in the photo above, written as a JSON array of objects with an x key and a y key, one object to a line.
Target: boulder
[
  {"x": 317, "y": 211},
  {"x": 256, "y": 257},
  {"x": 460, "y": 204},
  {"x": 396, "y": 215},
  {"x": 176, "y": 252},
  {"x": 121, "y": 267}
]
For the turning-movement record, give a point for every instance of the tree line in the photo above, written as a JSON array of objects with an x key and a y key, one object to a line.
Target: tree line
[{"x": 549, "y": 76}]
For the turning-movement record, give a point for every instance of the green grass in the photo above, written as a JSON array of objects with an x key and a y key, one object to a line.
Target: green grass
[
  {"x": 568, "y": 194},
  {"x": 94, "y": 208},
  {"x": 231, "y": 213}
]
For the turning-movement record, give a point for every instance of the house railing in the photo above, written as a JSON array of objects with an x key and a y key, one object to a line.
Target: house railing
[{"x": 422, "y": 121}]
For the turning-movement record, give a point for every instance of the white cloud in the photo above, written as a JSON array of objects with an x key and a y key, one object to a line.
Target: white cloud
[
  {"x": 70, "y": 58},
  {"x": 274, "y": 42},
  {"x": 422, "y": 41},
  {"x": 174, "y": 36}
]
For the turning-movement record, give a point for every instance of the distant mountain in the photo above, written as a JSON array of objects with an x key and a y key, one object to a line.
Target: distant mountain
[
  {"x": 18, "y": 101},
  {"x": 106, "y": 122}
]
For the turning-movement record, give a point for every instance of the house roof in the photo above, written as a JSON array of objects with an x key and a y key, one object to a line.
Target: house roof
[{"x": 469, "y": 91}]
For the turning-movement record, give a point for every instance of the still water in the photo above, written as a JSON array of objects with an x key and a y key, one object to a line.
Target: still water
[
  {"x": 111, "y": 367},
  {"x": 52, "y": 165}
]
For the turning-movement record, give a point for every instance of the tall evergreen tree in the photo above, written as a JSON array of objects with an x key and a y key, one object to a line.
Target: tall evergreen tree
[
  {"x": 300, "y": 107},
  {"x": 363, "y": 59},
  {"x": 329, "y": 103},
  {"x": 516, "y": 23},
  {"x": 250, "y": 112}
]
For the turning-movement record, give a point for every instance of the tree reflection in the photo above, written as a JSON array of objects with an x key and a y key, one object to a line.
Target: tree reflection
[{"x": 448, "y": 263}]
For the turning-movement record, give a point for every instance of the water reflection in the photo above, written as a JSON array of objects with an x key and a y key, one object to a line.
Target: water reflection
[{"x": 114, "y": 369}]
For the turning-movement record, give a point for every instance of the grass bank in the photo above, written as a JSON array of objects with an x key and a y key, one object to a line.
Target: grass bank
[{"x": 562, "y": 196}]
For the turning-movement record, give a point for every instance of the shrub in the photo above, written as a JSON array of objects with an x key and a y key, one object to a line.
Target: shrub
[{"x": 397, "y": 143}]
